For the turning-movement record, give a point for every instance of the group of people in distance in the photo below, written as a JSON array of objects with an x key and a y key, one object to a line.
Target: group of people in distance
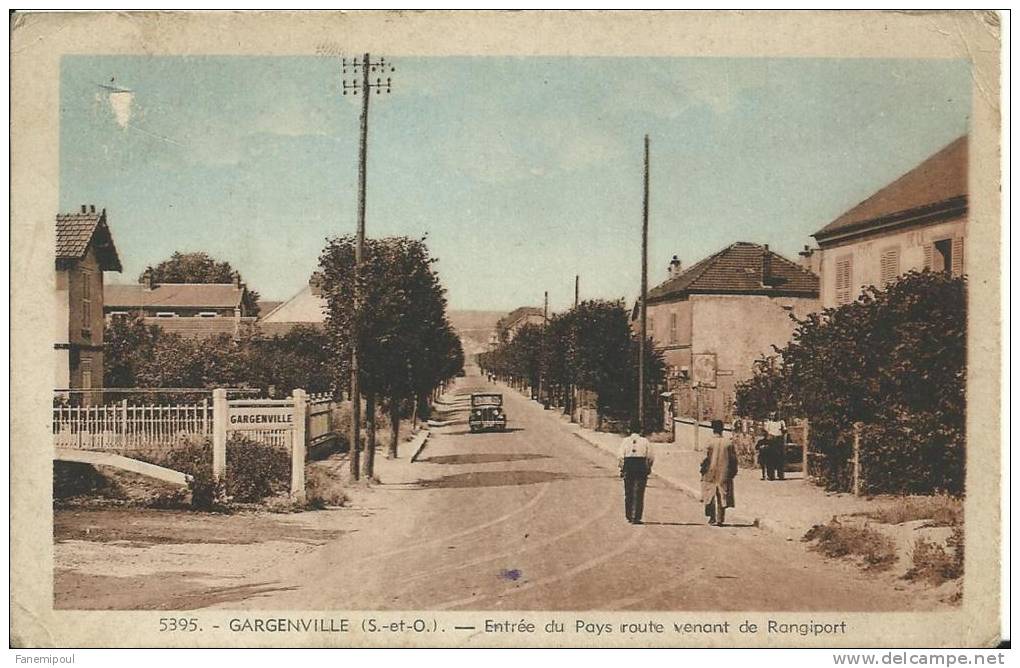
[{"x": 718, "y": 468}]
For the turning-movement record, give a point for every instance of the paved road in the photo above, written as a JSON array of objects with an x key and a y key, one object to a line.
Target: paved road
[{"x": 532, "y": 519}]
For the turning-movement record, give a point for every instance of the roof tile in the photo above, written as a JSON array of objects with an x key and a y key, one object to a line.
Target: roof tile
[
  {"x": 940, "y": 178},
  {"x": 737, "y": 269}
]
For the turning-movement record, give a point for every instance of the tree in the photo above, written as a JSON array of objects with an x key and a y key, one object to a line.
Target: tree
[
  {"x": 196, "y": 267},
  {"x": 405, "y": 342},
  {"x": 590, "y": 347},
  {"x": 895, "y": 359},
  {"x": 297, "y": 359},
  {"x": 128, "y": 344}
]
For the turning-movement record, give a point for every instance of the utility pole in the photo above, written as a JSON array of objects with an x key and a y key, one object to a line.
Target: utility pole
[
  {"x": 542, "y": 389},
  {"x": 577, "y": 290},
  {"x": 644, "y": 295},
  {"x": 365, "y": 86}
]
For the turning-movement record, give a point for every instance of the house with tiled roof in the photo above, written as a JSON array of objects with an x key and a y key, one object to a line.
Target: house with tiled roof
[
  {"x": 918, "y": 221},
  {"x": 306, "y": 308},
  {"x": 508, "y": 326},
  {"x": 189, "y": 309},
  {"x": 714, "y": 319},
  {"x": 84, "y": 250}
]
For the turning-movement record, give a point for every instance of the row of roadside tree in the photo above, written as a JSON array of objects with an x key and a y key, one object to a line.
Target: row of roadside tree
[
  {"x": 588, "y": 353},
  {"x": 407, "y": 348}
]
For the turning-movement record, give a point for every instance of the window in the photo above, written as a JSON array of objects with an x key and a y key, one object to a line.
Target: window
[
  {"x": 86, "y": 374},
  {"x": 945, "y": 255},
  {"x": 166, "y": 314},
  {"x": 844, "y": 275},
  {"x": 672, "y": 328},
  {"x": 890, "y": 265},
  {"x": 207, "y": 314},
  {"x": 651, "y": 327},
  {"x": 86, "y": 302}
]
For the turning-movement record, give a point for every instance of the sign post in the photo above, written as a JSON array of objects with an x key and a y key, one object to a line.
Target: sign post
[
  {"x": 219, "y": 458},
  {"x": 704, "y": 375},
  {"x": 297, "y": 447}
]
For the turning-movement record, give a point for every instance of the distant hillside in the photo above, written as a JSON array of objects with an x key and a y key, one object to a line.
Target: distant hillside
[{"x": 475, "y": 328}]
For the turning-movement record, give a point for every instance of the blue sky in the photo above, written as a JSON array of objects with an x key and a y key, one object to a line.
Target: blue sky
[{"x": 522, "y": 171}]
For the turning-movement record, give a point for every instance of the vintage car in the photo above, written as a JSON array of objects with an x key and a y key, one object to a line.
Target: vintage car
[{"x": 487, "y": 412}]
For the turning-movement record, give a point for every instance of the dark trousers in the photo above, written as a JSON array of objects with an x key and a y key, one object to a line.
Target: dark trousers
[
  {"x": 634, "y": 495},
  {"x": 775, "y": 457}
]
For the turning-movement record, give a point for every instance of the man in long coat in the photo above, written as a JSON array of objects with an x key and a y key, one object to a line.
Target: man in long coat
[{"x": 717, "y": 472}]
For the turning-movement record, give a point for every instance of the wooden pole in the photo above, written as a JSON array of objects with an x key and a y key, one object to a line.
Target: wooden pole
[
  {"x": 577, "y": 290},
  {"x": 697, "y": 417},
  {"x": 857, "y": 460},
  {"x": 298, "y": 446},
  {"x": 359, "y": 250},
  {"x": 807, "y": 446},
  {"x": 220, "y": 408},
  {"x": 644, "y": 295}
]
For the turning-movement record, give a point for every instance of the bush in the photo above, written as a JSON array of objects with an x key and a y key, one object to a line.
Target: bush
[
  {"x": 877, "y": 550},
  {"x": 913, "y": 457},
  {"x": 323, "y": 488},
  {"x": 942, "y": 510},
  {"x": 71, "y": 479},
  {"x": 895, "y": 360},
  {"x": 935, "y": 564},
  {"x": 255, "y": 471}
]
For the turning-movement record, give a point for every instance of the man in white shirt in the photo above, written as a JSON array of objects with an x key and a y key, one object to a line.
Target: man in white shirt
[
  {"x": 636, "y": 458},
  {"x": 775, "y": 433}
]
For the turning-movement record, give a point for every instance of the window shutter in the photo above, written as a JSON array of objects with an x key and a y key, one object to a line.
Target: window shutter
[
  {"x": 843, "y": 279},
  {"x": 958, "y": 256},
  {"x": 928, "y": 250},
  {"x": 890, "y": 265}
]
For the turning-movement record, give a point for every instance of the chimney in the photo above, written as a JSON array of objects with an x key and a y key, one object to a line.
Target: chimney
[
  {"x": 810, "y": 260},
  {"x": 237, "y": 280},
  {"x": 766, "y": 266},
  {"x": 675, "y": 267},
  {"x": 92, "y": 208},
  {"x": 147, "y": 278},
  {"x": 84, "y": 209},
  {"x": 315, "y": 283}
]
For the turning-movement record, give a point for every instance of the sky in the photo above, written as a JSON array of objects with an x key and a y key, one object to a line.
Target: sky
[{"x": 522, "y": 172}]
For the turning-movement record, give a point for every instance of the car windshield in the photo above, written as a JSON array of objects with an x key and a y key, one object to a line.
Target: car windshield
[{"x": 481, "y": 400}]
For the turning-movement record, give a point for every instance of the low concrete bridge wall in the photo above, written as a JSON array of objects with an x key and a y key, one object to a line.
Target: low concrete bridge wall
[{"x": 120, "y": 462}]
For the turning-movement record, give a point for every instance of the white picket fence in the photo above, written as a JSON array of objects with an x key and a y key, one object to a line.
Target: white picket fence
[
  {"x": 122, "y": 426},
  {"x": 293, "y": 424},
  {"x": 131, "y": 427}
]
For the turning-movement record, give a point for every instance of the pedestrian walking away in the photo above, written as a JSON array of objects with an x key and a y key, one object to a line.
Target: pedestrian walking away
[
  {"x": 636, "y": 458},
  {"x": 717, "y": 472}
]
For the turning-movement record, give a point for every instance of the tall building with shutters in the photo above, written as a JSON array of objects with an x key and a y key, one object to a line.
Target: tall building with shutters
[
  {"x": 918, "y": 221},
  {"x": 84, "y": 250}
]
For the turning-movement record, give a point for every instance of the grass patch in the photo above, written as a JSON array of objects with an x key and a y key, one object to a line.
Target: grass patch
[
  {"x": 876, "y": 550},
  {"x": 935, "y": 564},
  {"x": 941, "y": 510}
]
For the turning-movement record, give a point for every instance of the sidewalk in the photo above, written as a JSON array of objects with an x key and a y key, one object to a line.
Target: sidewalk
[{"x": 786, "y": 507}]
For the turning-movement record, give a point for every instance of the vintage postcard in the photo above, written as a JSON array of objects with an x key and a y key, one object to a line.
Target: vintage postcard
[{"x": 565, "y": 329}]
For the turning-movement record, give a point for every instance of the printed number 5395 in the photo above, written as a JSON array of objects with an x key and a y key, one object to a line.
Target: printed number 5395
[{"x": 178, "y": 624}]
